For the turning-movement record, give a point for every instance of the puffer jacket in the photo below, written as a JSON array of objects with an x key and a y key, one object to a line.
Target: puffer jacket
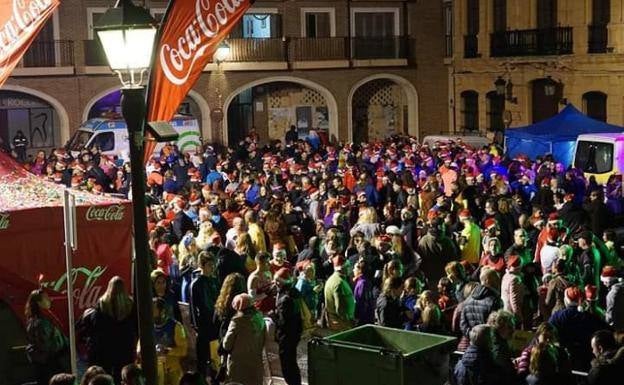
[
  {"x": 475, "y": 368},
  {"x": 478, "y": 307}
]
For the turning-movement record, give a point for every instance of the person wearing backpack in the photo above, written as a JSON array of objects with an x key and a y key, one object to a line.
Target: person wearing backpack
[{"x": 289, "y": 325}]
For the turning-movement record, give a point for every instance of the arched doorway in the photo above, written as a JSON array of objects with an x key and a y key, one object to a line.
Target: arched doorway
[
  {"x": 39, "y": 117},
  {"x": 380, "y": 106},
  {"x": 272, "y": 105},
  {"x": 108, "y": 102},
  {"x": 546, "y": 94}
]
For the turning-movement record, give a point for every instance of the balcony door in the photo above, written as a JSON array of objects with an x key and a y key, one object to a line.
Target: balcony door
[
  {"x": 318, "y": 24},
  {"x": 375, "y": 33},
  {"x": 500, "y": 15},
  {"x": 260, "y": 25},
  {"x": 42, "y": 51},
  {"x": 546, "y": 14}
]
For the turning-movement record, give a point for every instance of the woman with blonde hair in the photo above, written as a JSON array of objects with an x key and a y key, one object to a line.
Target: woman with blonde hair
[
  {"x": 367, "y": 223},
  {"x": 207, "y": 236},
  {"x": 245, "y": 249},
  {"x": 430, "y": 313},
  {"x": 111, "y": 330},
  {"x": 187, "y": 259}
]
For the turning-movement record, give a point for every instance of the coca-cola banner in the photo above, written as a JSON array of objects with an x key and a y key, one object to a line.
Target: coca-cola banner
[
  {"x": 33, "y": 254},
  {"x": 20, "y": 21},
  {"x": 189, "y": 35}
]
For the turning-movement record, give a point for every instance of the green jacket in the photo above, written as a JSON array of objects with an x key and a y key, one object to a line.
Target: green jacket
[{"x": 339, "y": 302}]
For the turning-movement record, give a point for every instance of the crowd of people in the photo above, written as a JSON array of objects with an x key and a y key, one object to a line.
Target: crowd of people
[{"x": 270, "y": 242}]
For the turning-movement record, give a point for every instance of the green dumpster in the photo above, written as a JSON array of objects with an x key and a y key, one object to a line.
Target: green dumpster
[{"x": 376, "y": 355}]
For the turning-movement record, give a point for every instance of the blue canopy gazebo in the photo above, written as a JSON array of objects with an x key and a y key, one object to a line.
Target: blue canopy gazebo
[{"x": 556, "y": 135}]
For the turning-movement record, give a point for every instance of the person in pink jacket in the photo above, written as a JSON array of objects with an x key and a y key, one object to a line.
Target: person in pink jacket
[{"x": 513, "y": 289}]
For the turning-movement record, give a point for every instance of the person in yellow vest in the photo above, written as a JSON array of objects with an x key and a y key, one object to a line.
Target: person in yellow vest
[
  {"x": 470, "y": 238},
  {"x": 171, "y": 344}
]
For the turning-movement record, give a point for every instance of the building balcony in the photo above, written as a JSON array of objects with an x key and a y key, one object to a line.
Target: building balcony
[
  {"x": 597, "y": 39},
  {"x": 257, "y": 49},
  {"x": 370, "y": 48},
  {"x": 44, "y": 58},
  {"x": 532, "y": 42},
  {"x": 471, "y": 46},
  {"x": 316, "y": 49}
]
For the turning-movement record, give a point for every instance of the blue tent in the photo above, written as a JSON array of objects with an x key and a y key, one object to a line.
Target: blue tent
[{"x": 556, "y": 135}]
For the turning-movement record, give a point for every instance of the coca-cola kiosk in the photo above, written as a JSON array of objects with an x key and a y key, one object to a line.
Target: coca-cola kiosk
[{"x": 32, "y": 243}]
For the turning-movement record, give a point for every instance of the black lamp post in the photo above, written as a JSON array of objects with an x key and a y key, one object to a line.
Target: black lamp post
[
  {"x": 499, "y": 85},
  {"x": 127, "y": 35}
]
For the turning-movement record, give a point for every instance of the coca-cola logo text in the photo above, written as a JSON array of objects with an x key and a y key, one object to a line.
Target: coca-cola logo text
[
  {"x": 177, "y": 62},
  {"x": 5, "y": 221},
  {"x": 87, "y": 289},
  {"x": 105, "y": 213},
  {"x": 25, "y": 16}
]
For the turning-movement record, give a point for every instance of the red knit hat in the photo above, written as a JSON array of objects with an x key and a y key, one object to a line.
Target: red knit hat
[
  {"x": 609, "y": 273},
  {"x": 553, "y": 218}
]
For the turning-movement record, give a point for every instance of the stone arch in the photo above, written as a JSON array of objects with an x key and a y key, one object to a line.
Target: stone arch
[
  {"x": 204, "y": 108},
  {"x": 412, "y": 101},
  {"x": 58, "y": 107},
  {"x": 332, "y": 105}
]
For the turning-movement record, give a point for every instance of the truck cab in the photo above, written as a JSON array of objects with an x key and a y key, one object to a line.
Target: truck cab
[{"x": 600, "y": 155}]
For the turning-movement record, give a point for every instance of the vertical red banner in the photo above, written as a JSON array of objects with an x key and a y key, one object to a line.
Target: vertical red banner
[
  {"x": 188, "y": 38},
  {"x": 20, "y": 22}
]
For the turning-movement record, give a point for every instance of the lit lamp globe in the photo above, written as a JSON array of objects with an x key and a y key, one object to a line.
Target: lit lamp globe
[
  {"x": 222, "y": 53},
  {"x": 127, "y": 35}
]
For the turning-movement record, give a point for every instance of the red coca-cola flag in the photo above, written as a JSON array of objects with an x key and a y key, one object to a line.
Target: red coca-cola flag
[
  {"x": 20, "y": 22},
  {"x": 188, "y": 38}
]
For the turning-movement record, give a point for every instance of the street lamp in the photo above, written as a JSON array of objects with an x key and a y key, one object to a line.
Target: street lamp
[
  {"x": 550, "y": 86},
  {"x": 499, "y": 85},
  {"x": 222, "y": 53},
  {"x": 127, "y": 35}
]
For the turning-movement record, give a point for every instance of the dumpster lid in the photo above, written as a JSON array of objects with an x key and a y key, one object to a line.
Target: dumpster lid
[{"x": 385, "y": 339}]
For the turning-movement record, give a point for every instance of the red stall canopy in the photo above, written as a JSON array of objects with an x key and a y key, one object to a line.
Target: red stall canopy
[{"x": 32, "y": 241}]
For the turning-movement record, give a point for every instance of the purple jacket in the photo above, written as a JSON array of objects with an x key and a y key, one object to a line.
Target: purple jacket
[{"x": 364, "y": 301}]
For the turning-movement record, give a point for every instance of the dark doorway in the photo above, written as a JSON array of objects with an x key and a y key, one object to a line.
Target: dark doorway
[
  {"x": 496, "y": 107},
  {"x": 240, "y": 116},
  {"x": 545, "y": 103},
  {"x": 546, "y": 14},
  {"x": 470, "y": 110},
  {"x": 595, "y": 105}
]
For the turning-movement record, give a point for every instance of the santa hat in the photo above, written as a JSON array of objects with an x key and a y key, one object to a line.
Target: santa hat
[
  {"x": 241, "y": 302},
  {"x": 195, "y": 199},
  {"x": 568, "y": 197},
  {"x": 283, "y": 275},
  {"x": 591, "y": 292},
  {"x": 393, "y": 230},
  {"x": 338, "y": 262},
  {"x": 553, "y": 219},
  {"x": 573, "y": 296},
  {"x": 537, "y": 220},
  {"x": 490, "y": 223},
  {"x": 464, "y": 214},
  {"x": 513, "y": 263},
  {"x": 608, "y": 275}
]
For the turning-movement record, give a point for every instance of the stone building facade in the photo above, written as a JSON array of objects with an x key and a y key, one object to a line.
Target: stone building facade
[
  {"x": 515, "y": 62},
  {"x": 341, "y": 55}
]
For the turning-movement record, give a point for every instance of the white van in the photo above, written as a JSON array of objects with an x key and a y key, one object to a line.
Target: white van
[
  {"x": 600, "y": 155},
  {"x": 111, "y": 135},
  {"x": 475, "y": 141}
]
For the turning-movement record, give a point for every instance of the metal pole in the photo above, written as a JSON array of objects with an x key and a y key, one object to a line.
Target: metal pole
[
  {"x": 133, "y": 110},
  {"x": 70, "y": 243}
]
